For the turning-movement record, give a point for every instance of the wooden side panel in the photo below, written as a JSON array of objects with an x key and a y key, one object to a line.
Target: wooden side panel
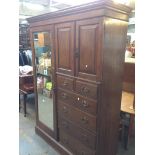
[
  {"x": 113, "y": 53},
  {"x": 88, "y": 48},
  {"x": 64, "y": 39}
]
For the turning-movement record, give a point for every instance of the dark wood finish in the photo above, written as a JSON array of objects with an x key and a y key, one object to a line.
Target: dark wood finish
[
  {"x": 78, "y": 101},
  {"x": 83, "y": 119},
  {"x": 94, "y": 35},
  {"x": 64, "y": 82},
  {"x": 86, "y": 89},
  {"x": 84, "y": 136},
  {"x": 88, "y": 48},
  {"x": 74, "y": 145},
  {"x": 111, "y": 90},
  {"x": 64, "y": 43}
]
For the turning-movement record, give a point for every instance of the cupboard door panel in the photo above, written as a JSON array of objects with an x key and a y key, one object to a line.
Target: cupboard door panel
[
  {"x": 87, "y": 45},
  {"x": 64, "y": 39}
]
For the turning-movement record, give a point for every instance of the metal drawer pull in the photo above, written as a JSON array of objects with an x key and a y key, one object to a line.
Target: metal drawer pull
[
  {"x": 65, "y": 110},
  {"x": 84, "y": 103},
  {"x": 64, "y": 96},
  {"x": 85, "y": 90},
  {"x": 84, "y": 120},
  {"x": 65, "y": 83}
]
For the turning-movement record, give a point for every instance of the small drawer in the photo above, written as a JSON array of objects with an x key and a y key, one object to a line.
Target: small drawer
[
  {"x": 83, "y": 119},
  {"x": 74, "y": 145},
  {"x": 65, "y": 97},
  {"x": 86, "y": 89},
  {"x": 64, "y": 82},
  {"x": 84, "y": 136}
]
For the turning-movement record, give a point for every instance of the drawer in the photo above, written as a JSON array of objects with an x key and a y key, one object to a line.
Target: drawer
[
  {"x": 86, "y": 89},
  {"x": 85, "y": 104},
  {"x": 78, "y": 101},
  {"x": 76, "y": 116},
  {"x": 84, "y": 136},
  {"x": 66, "y": 97},
  {"x": 65, "y": 82},
  {"x": 74, "y": 145}
]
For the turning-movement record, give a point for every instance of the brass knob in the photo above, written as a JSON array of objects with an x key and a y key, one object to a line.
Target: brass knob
[
  {"x": 65, "y": 83},
  {"x": 84, "y": 103},
  {"x": 85, "y": 90},
  {"x": 84, "y": 120},
  {"x": 65, "y": 110},
  {"x": 64, "y": 95}
]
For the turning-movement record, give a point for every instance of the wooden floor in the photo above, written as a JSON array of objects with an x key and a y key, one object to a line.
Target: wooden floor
[{"x": 32, "y": 144}]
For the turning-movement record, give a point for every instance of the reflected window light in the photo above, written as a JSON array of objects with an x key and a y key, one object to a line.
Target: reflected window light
[
  {"x": 122, "y": 1},
  {"x": 33, "y": 6},
  {"x": 74, "y": 2}
]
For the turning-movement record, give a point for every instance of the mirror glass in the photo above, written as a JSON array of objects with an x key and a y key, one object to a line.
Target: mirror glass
[{"x": 43, "y": 55}]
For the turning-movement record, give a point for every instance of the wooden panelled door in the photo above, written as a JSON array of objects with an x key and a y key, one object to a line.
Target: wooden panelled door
[
  {"x": 87, "y": 48},
  {"x": 64, "y": 41}
]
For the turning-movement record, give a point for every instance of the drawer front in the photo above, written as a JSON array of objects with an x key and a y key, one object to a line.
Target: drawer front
[
  {"x": 78, "y": 101},
  {"x": 86, "y": 89},
  {"x": 85, "y": 104},
  {"x": 74, "y": 145},
  {"x": 85, "y": 137},
  {"x": 76, "y": 116},
  {"x": 64, "y": 82},
  {"x": 65, "y": 97}
]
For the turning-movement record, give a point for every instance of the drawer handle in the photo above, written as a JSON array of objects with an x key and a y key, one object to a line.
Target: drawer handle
[
  {"x": 84, "y": 120},
  {"x": 65, "y": 125},
  {"x": 85, "y": 90},
  {"x": 64, "y": 96},
  {"x": 65, "y": 83},
  {"x": 65, "y": 110},
  {"x": 85, "y": 104}
]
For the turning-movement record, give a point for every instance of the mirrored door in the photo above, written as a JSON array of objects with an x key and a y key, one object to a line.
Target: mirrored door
[{"x": 44, "y": 78}]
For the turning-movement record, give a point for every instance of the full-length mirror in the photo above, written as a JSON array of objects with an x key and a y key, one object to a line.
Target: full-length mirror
[{"x": 43, "y": 53}]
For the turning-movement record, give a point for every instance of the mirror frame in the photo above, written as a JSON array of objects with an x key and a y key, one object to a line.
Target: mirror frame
[{"x": 39, "y": 124}]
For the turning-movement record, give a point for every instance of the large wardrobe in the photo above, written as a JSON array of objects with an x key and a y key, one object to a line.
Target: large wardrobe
[{"x": 78, "y": 58}]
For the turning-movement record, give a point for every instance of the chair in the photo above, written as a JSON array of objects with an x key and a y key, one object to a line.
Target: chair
[{"x": 26, "y": 86}]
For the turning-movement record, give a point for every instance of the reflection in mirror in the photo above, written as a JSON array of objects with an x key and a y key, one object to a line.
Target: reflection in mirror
[{"x": 43, "y": 53}]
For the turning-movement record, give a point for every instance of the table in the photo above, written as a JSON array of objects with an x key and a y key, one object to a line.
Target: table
[{"x": 26, "y": 87}]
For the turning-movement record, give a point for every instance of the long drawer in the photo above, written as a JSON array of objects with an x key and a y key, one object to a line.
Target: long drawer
[
  {"x": 84, "y": 136},
  {"x": 83, "y": 119},
  {"x": 86, "y": 89},
  {"x": 78, "y": 101},
  {"x": 74, "y": 145}
]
